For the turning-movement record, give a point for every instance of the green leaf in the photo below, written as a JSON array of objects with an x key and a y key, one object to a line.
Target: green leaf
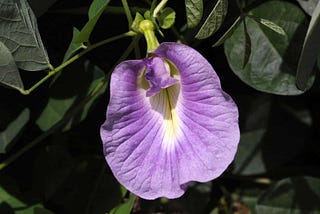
[
  {"x": 16, "y": 206},
  {"x": 247, "y": 45},
  {"x": 9, "y": 72},
  {"x": 271, "y": 136},
  {"x": 167, "y": 18},
  {"x": 52, "y": 167},
  {"x": 94, "y": 190},
  {"x": 310, "y": 50},
  {"x": 214, "y": 20},
  {"x": 124, "y": 208},
  {"x": 256, "y": 112},
  {"x": 19, "y": 33},
  {"x": 193, "y": 200},
  {"x": 250, "y": 162},
  {"x": 74, "y": 46},
  {"x": 308, "y": 5},
  {"x": 41, "y": 210},
  {"x": 273, "y": 26},
  {"x": 65, "y": 95},
  {"x": 228, "y": 33},
  {"x": 39, "y": 7},
  {"x": 13, "y": 129},
  {"x": 123, "y": 191},
  {"x": 291, "y": 195},
  {"x": 194, "y": 11},
  {"x": 54, "y": 112},
  {"x": 273, "y": 60},
  {"x": 96, "y": 9},
  {"x": 72, "y": 49}
]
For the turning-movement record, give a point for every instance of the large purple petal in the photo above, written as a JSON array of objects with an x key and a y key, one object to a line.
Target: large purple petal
[{"x": 187, "y": 132}]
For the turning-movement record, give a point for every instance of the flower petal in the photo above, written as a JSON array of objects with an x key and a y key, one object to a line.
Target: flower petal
[
  {"x": 186, "y": 132},
  {"x": 209, "y": 117},
  {"x": 157, "y": 75}
]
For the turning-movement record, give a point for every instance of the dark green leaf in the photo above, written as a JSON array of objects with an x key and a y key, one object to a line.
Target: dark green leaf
[
  {"x": 308, "y": 5},
  {"x": 41, "y": 210},
  {"x": 9, "y": 199},
  {"x": 228, "y": 33},
  {"x": 167, "y": 18},
  {"x": 19, "y": 32},
  {"x": 54, "y": 112},
  {"x": 247, "y": 45},
  {"x": 273, "y": 26},
  {"x": 250, "y": 158},
  {"x": 91, "y": 188},
  {"x": 88, "y": 77},
  {"x": 73, "y": 47},
  {"x": 9, "y": 72},
  {"x": 124, "y": 208},
  {"x": 247, "y": 196},
  {"x": 271, "y": 135},
  {"x": 17, "y": 206},
  {"x": 52, "y": 168},
  {"x": 291, "y": 195},
  {"x": 214, "y": 20},
  {"x": 96, "y": 9},
  {"x": 310, "y": 50},
  {"x": 192, "y": 201},
  {"x": 255, "y": 112},
  {"x": 273, "y": 61},
  {"x": 194, "y": 10},
  {"x": 13, "y": 129},
  {"x": 39, "y": 7},
  {"x": 123, "y": 191}
]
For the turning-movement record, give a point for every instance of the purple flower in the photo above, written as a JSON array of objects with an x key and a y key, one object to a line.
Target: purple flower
[{"x": 168, "y": 123}]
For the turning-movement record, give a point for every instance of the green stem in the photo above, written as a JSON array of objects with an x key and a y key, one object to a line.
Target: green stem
[
  {"x": 147, "y": 28},
  {"x": 69, "y": 116},
  {"x": 152, "y": 42},
  {"x": 153, "y": 5},
  {"x": 74, "y": 58},
  {"x": 159, "y": 7},
  {"x": 127, "y": 11},
  {"x": 109, "y": 10}
]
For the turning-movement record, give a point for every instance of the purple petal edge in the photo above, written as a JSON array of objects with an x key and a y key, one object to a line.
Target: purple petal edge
[{"x": 133, "y": 134}]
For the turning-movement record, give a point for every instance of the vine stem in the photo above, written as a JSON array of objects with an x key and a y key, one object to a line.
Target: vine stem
[
  {"x": 77, "y": 108},
  {"x": 127, "y": 12},
  {"x": 159, "y": 7},
  {"x": 53, "y": 70}
]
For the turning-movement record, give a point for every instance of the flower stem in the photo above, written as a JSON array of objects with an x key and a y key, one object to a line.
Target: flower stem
[
  {"x": 147, "y": 28},
  {"x": 74, "y": 58}
]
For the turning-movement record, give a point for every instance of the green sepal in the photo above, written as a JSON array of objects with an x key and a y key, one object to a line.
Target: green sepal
[
  {"x": 166, "y": 18},
  {"x": 147, "y": 15},
  {"x": 136, "y": 22}
]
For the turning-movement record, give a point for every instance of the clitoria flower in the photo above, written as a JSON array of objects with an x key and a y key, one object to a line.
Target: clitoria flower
[{"x": 168, "y": 123}]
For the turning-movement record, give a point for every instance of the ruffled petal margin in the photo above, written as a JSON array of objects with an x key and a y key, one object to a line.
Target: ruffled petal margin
[{"x": 186, "y": 132}]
